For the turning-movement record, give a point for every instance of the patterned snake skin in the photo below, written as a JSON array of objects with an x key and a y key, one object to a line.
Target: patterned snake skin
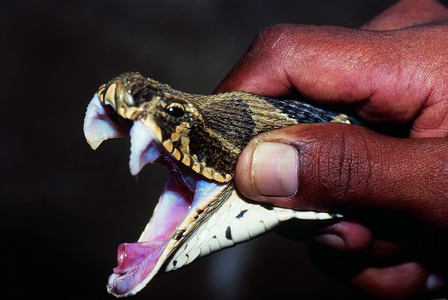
[{"x": 197, "y": 138}]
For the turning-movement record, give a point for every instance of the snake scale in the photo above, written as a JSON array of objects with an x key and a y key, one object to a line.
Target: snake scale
[{"x": 197, "y": 138}]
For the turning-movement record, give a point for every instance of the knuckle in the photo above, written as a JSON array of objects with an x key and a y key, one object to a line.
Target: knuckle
[
  {"x": 274, "y": 38},
  {"x": 344, "y": 169}
]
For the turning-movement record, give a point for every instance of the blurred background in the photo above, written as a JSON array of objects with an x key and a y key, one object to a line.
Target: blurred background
[{"x": 64, "y": 208}]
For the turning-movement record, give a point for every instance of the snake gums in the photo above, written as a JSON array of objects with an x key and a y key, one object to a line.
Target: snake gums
[{"x": 197, "y": 138}]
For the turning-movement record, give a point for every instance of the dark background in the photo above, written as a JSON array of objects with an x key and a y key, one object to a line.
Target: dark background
[{"x": 65, "y": 208}]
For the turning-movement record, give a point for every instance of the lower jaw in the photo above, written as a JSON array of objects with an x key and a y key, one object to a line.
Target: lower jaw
[{"x": 136, "y": 261}]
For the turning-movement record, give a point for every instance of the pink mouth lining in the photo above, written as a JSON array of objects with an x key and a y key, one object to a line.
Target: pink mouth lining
[{"x": 136, "y": 261}]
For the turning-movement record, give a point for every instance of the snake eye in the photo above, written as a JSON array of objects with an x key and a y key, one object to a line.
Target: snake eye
[{"x": 175, "y": 109}]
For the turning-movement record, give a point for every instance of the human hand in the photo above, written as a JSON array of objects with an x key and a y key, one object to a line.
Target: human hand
[{"x": 394, "y": 191}]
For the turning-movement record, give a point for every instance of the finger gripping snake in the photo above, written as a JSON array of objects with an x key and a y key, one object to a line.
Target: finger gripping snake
[{"x": 198, "y": 139}]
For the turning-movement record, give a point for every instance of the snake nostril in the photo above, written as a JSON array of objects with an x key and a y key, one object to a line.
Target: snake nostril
[{"x": 143, "y": 94}]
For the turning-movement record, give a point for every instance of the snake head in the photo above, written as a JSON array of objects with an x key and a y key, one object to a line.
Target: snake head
[{"x": 175, "y": 118}]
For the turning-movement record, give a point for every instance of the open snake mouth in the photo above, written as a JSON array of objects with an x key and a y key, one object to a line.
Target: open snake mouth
[
  {"x": 185, "y": 197},
  {"x": 199, "y": 211}
]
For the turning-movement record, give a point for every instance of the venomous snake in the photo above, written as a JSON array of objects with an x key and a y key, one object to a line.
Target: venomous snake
[{"x": 197, "y": 138}]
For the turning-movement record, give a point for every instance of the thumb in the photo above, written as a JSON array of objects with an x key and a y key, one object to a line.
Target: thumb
[{"x": 346, "y": 168}]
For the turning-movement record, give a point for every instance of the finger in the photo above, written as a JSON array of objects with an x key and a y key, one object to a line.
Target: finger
[
  {"x": 391, "y": 76},
  {"x": 345, "y": 236},
  {"x": 373, "y": 263},
  {"x": 399, "y": 280},
  {"x": 394, "y": 282},
  {"x": 408, "y": 13},
  {"x": 343, "y": 168}
]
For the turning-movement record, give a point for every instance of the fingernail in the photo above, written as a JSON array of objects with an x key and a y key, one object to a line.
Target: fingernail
[
  {"x": 331, "y": 240},
  {"x": 274, "y": 169},
  {"x": 435, "y": 282}
]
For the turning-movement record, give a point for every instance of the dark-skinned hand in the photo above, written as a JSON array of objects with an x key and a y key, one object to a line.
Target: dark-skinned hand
[{"x": 393, "y": 191}]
